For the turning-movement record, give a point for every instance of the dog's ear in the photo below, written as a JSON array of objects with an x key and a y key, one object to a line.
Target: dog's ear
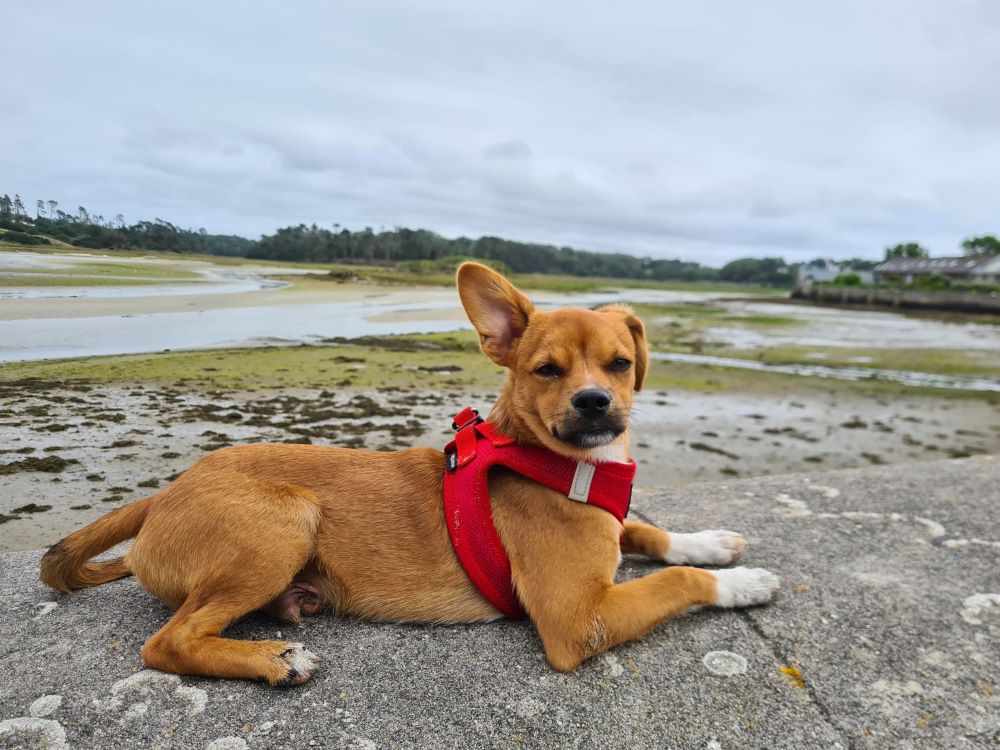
[
  {"x": 638, "y": 331},
  {"x": 498, "y": 311}
]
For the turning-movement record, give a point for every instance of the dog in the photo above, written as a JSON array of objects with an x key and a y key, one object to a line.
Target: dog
[{"x": 293, "y": 530}]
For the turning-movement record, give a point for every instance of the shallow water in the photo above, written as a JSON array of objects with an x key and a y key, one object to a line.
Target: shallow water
[
  {"x": 862, "y": 329},
  {"x": 378, "y": 313},
  {"x": 208, "y": 320},
  {"x": 24, "y": 340},
  {"x": 214, "y": 323},
  {"x": 150, "y": 290},
  {"x": 215, "y": 279}
]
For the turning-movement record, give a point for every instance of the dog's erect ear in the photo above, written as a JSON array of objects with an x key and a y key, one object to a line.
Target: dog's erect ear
[
  {"x": 498, "y": 311},
  {"x": 638, "y": 331}
]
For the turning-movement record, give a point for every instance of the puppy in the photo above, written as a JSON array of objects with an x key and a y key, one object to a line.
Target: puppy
[{"x": 296, "y": 529}]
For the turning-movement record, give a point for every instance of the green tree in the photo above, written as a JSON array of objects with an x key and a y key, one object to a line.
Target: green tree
[
  {"x": 6, "y": 208},
  {"x": 53, "y": 205},
  {"x": 985, "y": 244},
  {"x": 847, "y": 279},
  {"x": 766, "y": 271},
  {"x": 906, "y": 250},
  {"x": 19, "y": 207},
  {"x": 39, "y": 208}
]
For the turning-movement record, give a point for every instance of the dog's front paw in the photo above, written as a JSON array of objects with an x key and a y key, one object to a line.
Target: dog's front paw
[
  {"x": 300, "y": 661},
  {"x": 715, "y": 547},
  {"x": 744, "y": 587}
]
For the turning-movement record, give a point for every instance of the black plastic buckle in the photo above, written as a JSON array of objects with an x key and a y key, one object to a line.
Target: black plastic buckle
[{"x": 475, "y": 420}]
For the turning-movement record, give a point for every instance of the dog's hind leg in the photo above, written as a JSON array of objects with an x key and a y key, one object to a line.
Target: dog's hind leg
[
  {"x": 232, "y": 563},
  {"x": 190, "y": 643}
]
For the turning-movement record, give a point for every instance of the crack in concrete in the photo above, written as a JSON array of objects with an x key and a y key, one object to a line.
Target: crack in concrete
[{"x": 781, "y": 658}]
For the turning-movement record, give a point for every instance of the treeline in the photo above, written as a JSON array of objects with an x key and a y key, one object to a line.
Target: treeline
[
  {"x": 84, "y": 229},
  {"x": 416, "y": 249},
  {"x": 320, "y": 245}
]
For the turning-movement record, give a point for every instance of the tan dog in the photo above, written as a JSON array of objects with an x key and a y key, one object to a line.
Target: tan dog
[{"x": 293, "y": 529}]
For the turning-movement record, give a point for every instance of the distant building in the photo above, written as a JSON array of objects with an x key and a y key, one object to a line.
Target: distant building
[
  {"x": 968, "y": 269},
  {"x": 816, "y": 273}
]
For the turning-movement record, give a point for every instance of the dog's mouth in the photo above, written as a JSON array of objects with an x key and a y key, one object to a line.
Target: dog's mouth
[{"x": 588, "y": 433}]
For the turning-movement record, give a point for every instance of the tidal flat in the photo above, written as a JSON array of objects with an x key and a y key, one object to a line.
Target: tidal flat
[
  {"x": 378, "y": 359},
  {"x": 84, "y": 436}
]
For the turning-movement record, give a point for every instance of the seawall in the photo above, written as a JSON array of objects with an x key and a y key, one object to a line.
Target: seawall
[{"x": 954, "y": 301}]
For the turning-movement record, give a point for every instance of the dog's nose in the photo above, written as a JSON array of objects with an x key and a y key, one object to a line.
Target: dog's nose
[{"x": 592, "y": 402}]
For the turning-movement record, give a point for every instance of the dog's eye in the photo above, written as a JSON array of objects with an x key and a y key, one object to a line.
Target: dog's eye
[
  {"x": 620, "y": 364},
  {"x": 548, "y": 371}
]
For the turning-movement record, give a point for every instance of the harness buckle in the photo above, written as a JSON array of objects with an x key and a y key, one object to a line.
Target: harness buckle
[
  {"x": 464, "y": 418},
  {"x": 462, "y": 449}
]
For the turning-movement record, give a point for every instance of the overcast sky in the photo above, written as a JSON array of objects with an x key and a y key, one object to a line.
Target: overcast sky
[{"x": 704, "y": 131}]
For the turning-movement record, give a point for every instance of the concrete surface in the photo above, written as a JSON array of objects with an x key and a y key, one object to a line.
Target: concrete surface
[{"x": 890, "y": 612}]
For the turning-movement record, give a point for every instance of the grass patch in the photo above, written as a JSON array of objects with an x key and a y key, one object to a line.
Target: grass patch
[
  {"x": 694, "y": 310},
  {"x": 443, "y": 362},
  {"x": 937, "y": 361},
  {"x": 22, "y": 280},
  {"x": 373, "y": 363},
  {"x": 534, "y": 281},
  {"x": 95, "y": 273},
  {"x": 697, "y": 378},
  {"x": 762, "y": 321},
  {"x": 139, "y": 270},
  {"x": 679, "y": 327}
]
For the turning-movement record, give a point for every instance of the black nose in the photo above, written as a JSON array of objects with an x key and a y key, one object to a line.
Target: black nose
[{"x": 592, "y": 402}]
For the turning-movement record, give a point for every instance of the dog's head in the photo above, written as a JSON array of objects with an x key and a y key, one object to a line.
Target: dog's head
[{"x": 572, "y": 371}]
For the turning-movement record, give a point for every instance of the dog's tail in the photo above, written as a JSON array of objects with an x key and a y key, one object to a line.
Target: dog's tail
[{"x": 65, "y": 566}]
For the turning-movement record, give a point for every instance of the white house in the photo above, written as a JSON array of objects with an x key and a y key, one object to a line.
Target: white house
[{"x": 968, "y": 269}]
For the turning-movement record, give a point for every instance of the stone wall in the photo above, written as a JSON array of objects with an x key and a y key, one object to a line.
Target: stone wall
[{"x": 957, "y": 301}]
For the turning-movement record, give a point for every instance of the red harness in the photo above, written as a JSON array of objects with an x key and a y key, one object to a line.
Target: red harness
[{"x": 478, "y": 446}]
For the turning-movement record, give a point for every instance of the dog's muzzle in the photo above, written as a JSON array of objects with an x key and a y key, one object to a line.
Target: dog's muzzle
[{"x": 589, "y": 432}]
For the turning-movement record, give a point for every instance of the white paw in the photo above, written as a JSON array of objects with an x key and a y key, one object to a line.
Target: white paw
[
  {"x": 716, "y": 547},
  {"x": 301, "y": 663},
  {"x": 743, "y": 587}
]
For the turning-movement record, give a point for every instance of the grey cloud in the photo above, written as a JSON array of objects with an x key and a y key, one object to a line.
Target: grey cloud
[
  {"x": 518, "y": 150},
  {"x": 703, "y": 131}
]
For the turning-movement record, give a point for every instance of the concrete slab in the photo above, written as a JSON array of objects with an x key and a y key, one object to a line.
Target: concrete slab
[{"x": 885, "y": 614}]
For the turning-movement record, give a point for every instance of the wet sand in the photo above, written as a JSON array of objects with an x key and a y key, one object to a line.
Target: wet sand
[
  {"x": 93, "y": 307},
  {"x": 71, "y": 454}
]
